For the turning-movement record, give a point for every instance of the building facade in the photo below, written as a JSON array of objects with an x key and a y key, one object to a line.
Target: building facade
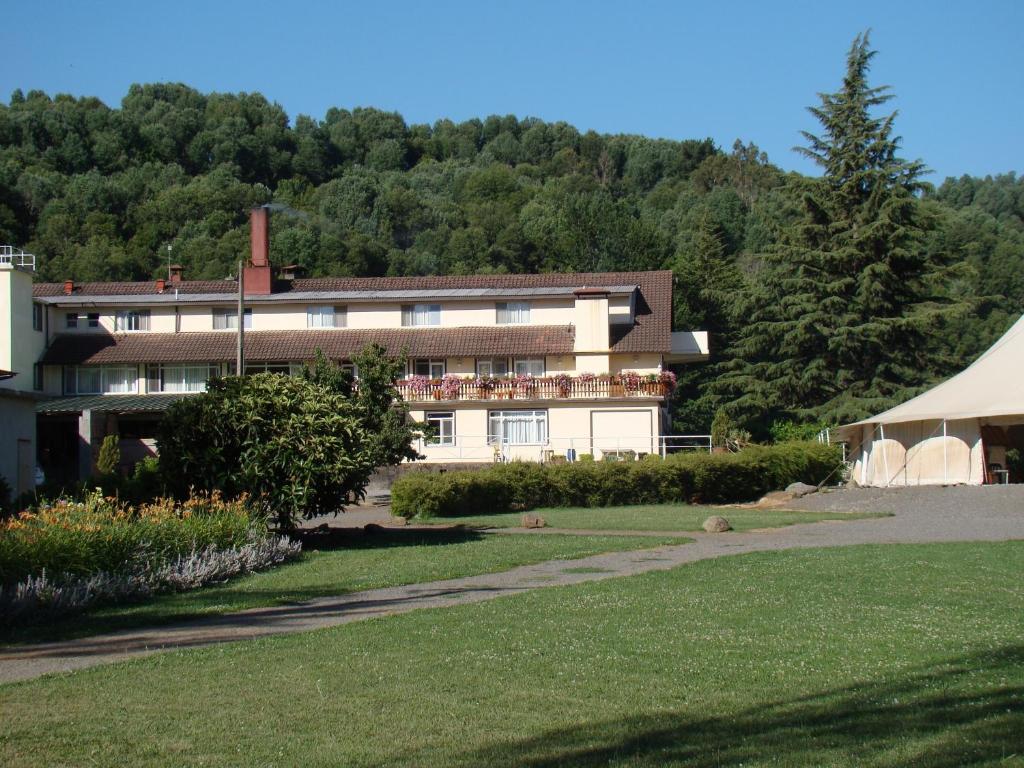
[
  {"x": 21, "y": 343},
  {"x": 503, "y": 367}
]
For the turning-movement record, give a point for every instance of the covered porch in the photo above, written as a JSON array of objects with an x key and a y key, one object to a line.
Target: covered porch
[{"x": 71, "y": 429}]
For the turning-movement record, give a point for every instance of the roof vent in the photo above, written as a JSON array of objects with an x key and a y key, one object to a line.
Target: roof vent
[
  {"x": 292, "y": 271},
  {"x": 69, "y": 287},
  {"x": 175, "y": 271}
]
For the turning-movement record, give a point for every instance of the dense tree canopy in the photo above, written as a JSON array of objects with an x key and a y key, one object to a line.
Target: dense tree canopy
[{"x": 98, "y": 193}]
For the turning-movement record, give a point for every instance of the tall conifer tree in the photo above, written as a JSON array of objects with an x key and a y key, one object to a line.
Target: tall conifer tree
[{"x": 840, "y": 321}]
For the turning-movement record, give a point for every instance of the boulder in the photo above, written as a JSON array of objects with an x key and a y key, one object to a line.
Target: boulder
[
  {"x": 717, "y": 524},
  {"x": 801, "y": 489},
  {"x": 774, "y": 499},
  {"x": 533, "y": 521}
]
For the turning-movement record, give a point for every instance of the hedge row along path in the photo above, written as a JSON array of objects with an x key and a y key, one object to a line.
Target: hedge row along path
[{"x": 921, "y": 515}]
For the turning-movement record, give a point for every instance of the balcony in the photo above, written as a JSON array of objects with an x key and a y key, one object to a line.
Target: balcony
[{"x": 559, "y": 387}]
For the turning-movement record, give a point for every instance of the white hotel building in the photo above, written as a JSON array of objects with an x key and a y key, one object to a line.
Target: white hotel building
[{"x": 505, "y": 366}]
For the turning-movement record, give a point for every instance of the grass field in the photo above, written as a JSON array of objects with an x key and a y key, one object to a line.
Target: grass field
[
  {"x": 878, "y": 655},
  {"x": 649, "y": 517},
  {"x": 384, "y": 560}
]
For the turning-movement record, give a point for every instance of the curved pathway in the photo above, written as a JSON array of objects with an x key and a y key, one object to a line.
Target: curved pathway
[{"x": 921, "y": 515}]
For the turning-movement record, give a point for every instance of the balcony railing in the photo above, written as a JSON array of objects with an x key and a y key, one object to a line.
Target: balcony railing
[
  {"x": 17, "y": 257},
  {"x": 422, "y": 389}
]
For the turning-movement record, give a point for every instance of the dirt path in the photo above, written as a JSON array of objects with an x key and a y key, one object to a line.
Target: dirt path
[{"x": 927, "y": 515}]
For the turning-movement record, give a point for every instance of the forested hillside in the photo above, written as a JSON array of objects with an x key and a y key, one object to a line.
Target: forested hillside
[{"x": 98, "y": 193}]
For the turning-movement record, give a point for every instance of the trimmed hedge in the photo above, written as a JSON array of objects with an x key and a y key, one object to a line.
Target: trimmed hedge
[{"x": 693, "y": 478}]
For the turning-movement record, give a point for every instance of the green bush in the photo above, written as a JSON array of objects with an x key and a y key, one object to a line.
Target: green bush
[
  {"x": 692, "y": 477},
  {"x": 109, "y": 460},
  {"x": 297, "y": 447}
]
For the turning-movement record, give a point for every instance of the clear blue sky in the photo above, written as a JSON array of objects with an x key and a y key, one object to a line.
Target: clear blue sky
[{"x": 666, "y": 69}]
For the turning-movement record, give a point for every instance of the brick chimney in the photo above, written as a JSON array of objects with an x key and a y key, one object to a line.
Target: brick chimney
[
  {"x": 176, "y": 271},
  {"x": 257, "y": 273},
  {"x": 161, "y": 285},
  {"x": 69, "y": 287}
]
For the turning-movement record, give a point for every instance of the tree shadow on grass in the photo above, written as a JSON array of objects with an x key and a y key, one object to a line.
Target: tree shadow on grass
[
  {"x": 326, "y": 538},
  {"x": 213, "y": 599},
  {"x": 939, "y": 715}
]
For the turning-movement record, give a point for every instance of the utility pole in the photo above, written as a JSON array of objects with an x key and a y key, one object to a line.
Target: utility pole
[
  {"x": 169, "y": 262},
  {"x": 240, "y": 356}
]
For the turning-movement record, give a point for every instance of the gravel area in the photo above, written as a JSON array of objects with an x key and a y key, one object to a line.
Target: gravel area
[{"x": 919, "y": 515}]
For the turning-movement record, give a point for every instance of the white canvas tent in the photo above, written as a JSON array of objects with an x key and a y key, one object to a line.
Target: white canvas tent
[{"x": 956, "y": 432}]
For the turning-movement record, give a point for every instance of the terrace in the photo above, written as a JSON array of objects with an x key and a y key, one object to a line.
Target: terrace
[{"x": 558, "y": 387}]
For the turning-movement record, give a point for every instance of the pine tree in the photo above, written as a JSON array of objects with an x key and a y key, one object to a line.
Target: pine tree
[
  {"x": 707, "y": 282},
  {"x": 841, "y": 319}
]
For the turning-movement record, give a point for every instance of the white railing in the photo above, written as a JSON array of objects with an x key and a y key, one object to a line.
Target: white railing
[
  {"x": 541, "y": 388},
  {"x": 483, "y": 449},
  {"x": 17, "y": 257}
]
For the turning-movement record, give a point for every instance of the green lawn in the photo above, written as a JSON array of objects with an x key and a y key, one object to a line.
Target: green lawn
[
  {"x": 384, "y": 560},
  {"x": 649, "y": 517},
  {"x": 882, "y": 655}
]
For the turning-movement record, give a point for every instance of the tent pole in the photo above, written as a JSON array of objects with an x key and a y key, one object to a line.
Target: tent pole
[
  {"x": 885, "y": 454},
  {"x": 945, "y": 456}
]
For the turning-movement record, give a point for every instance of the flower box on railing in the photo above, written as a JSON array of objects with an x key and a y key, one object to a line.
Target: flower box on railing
[{"x": 525, "y": 387}]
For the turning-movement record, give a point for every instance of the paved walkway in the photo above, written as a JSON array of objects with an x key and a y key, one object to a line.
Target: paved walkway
[{"x": 921, "y": 515}]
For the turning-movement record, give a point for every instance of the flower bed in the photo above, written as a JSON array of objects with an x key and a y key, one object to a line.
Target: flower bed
[{"x": 68, "y": 555}]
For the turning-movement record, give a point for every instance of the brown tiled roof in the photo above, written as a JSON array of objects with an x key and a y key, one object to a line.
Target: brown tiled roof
[
  {"x": 651, "y": 333},
  {"x": 279, "y": 346},
  {"x": 41, "y": 290}
]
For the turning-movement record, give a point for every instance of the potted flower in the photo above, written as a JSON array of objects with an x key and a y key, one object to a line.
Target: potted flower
[
  {"x": 563, "y": 382},
  {"x": 418, "y": 384},
  {"x": 484, "y": 386},
  {"x": 668, "y": 381},
  {"x": 524, "y": 384},
  {"x": 631, "y": 380},
  {"x": 451, "y": 387}
]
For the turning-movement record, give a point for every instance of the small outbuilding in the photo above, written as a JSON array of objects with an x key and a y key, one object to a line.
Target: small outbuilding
[{"x": 958, "y": 432}]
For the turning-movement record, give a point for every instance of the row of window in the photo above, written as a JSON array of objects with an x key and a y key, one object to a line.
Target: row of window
[
  {"x": 124, "y": 320},
  {"x": 166, "y": 377},
  {"x": 506, "y": 313},
  {"x": 116, "y": 379},
  {"x": 488, "y": 366},
  {"x": 519, "y": 427},
  {"x": 191, "y": 377}
]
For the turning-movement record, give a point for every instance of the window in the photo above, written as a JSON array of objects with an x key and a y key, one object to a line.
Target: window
[
  {"x": 224, "y": 319},
  {"x": 442, "y": 426},
  {"x": 431, "y": 368},
  {"x": 421, "y": 314},
  {"x": 131, "y": 320},
  {"x": 495, "y": 366},
  {"x": 531, "y": 367},
  {"x": 37, "y": 317},
  {"x": 188, "y": 377},
  {"x": 513, "y": 312},
  {"x": 37, "y": 377},
  {"x": 517, "y": 427},
  {"x": 72, "y": 319},
  {"x": 99, "y": 380},
  {"x": 288, "y": 369},
  {"x": 326, "y": 317}
]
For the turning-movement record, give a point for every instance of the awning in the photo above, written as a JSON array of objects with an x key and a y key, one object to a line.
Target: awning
[{"x": 157, "y": 403}]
